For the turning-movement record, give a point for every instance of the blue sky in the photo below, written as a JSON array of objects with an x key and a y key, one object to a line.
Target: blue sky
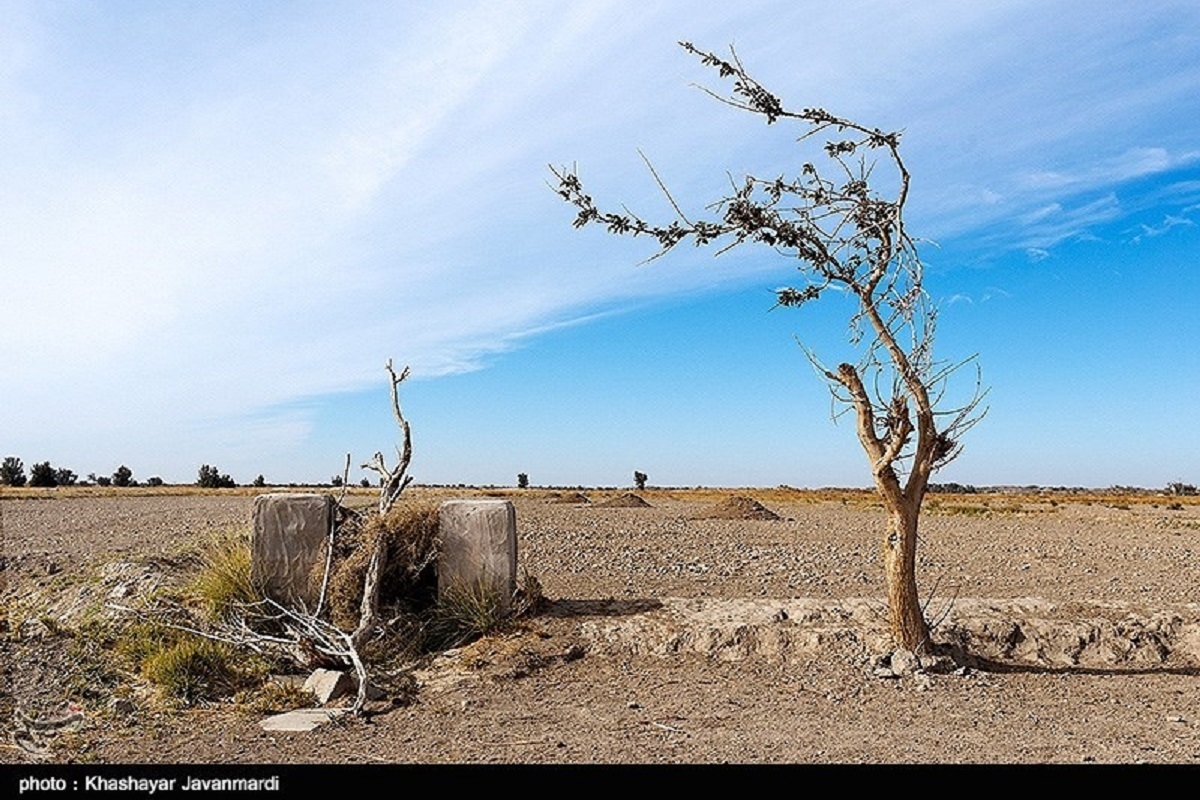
[{"x": 221, "y": 219}]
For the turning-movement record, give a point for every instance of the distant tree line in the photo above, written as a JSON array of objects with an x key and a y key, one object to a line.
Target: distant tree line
[
  {"x": 953, "y": 488},
  {"x": 44, "y": 474}
]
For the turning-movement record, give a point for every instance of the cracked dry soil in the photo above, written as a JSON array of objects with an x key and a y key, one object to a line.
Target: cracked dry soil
[{"x": 674, "y": 639}]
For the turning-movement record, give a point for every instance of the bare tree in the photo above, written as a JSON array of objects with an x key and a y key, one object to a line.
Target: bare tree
[
  {"x": 394, "y": 480},
  {"x": 847, "y": 235}
]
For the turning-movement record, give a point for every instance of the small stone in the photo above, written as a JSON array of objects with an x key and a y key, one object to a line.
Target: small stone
[
  {"x": 33, "y": 628},
  {"x": 905, "y": 662},
  {"x": 328, "y": 684},
  {"x": 120, "y": 705},
  {"x": 632, "y": 704},
  {"x": 780, "y": 615},
  {"x": 574, "y": 653}
]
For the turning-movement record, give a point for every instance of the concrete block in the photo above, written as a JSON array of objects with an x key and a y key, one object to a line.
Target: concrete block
[
  {"x": 328, "y": 684},
  {"x": 290, "y": 535},
  {"x": 479, "y": 546}
]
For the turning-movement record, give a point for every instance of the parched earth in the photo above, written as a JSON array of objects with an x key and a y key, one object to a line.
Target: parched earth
[{"x": 676, "y": 635}]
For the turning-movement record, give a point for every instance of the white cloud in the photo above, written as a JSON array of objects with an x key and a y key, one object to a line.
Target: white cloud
[
  {"x": 205, "y": 237},
  {"x": 1166, "y": 225}
]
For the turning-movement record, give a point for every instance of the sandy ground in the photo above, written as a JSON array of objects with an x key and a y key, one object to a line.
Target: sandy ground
[{"x": 677, "y": 640}]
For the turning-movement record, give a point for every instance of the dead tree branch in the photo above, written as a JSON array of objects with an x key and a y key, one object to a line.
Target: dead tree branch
[{"x": 394, "y": 481}]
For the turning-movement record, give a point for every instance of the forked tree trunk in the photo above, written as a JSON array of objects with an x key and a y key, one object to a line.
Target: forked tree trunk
[{"x": 906, "y": 619}]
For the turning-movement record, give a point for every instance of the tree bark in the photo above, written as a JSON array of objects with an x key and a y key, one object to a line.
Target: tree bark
[{"x": 906, "y": 619}]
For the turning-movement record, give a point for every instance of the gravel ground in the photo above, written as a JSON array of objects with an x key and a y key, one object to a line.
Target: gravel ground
[{"x": 672, "y": 639}]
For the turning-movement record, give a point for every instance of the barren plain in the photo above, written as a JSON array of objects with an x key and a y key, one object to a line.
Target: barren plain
[{"x": 671, "y": 637}]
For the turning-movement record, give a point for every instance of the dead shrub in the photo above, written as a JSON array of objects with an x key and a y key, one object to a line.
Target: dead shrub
[{"x": 409, "y": 579}]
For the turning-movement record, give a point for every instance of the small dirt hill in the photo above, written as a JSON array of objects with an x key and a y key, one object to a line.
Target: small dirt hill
[
  {"x": 569, "y": 497},
  {"x": 627, "y": 500},
  {"x": 738, "y": 507}
]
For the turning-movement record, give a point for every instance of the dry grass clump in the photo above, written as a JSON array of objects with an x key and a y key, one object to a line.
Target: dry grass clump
[
  {"x": 274, "y": 697},
  {"x": 225, "y": 579},
  {"x": 467, "y": 612},
  {"x": 186, "y": 669},
  {"x": 738, "y": 507},
  {"x": 409, "y": 580},
  {"x": 464, "y": 613},
  {"x": 193, "y": 669}
]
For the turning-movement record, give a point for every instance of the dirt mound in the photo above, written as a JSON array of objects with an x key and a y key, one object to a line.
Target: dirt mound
[
  {"x": 738, "y": 507},
  {"x": 627, "y": 500},
  {"x": 569, "y": 497}
]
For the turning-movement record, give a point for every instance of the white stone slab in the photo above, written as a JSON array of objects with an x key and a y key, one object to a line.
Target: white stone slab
[{"x": 301, "y": 720}]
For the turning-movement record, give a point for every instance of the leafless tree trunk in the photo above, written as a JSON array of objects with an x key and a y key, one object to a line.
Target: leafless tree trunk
[{"x": 393, "y": 481}]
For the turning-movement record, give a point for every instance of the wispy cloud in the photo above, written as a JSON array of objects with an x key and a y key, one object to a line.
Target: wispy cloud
[
  {"x": 1057, "y": 223},
  {"x": 212, "y": 217},
  {"x": 1169, "y": 222}
]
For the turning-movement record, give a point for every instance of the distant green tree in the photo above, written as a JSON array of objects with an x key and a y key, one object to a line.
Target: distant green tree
[
  {"x": 12, "y": 472},
  {"x": 65, "y": 477},
  {"x": 154, "y": 480},
  {"x": 522, "y": 480},
  {"x": 639, "y": 480},
  {"x": 102, "y": 480},
  {"x": 336, "y": 480},
  {"x": 365, "y": 483},
  {"x": 42, "y": 475},
  {"x": 211, "y": 478},
  {"x": 123, "y": 476},
  {"x": 260, "y": 481}
]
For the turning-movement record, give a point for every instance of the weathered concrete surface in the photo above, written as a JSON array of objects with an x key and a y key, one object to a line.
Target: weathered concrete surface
[
  {"x": 329, "y": 684},
  {"x": 301, "y": 720},
  {"x": 290, "y": 535},
  {"x": 479, "y": 546}
]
